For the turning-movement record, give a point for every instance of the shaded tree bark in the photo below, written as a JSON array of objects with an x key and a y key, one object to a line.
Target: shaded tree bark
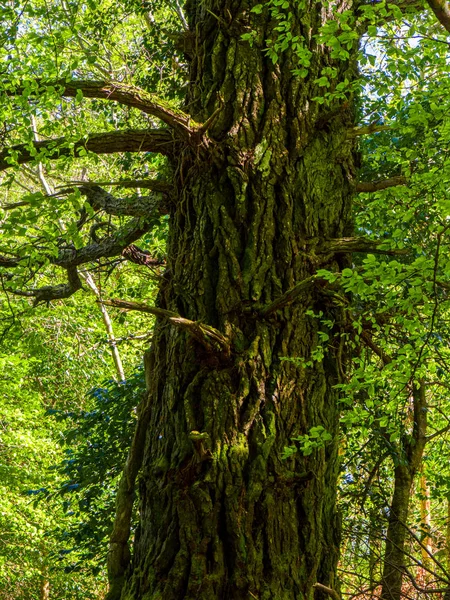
[{"x": 222, "y": 516}]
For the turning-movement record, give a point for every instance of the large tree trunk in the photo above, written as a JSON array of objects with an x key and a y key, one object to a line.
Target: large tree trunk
[{"x": 222, "y": 516}]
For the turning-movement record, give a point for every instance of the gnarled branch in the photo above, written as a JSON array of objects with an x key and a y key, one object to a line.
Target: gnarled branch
[
  {"x": 70, "y": 258},
  {"x": 54, "y": 292},
  {"x": 111, "y": 245},
  {"x": 133, "y": 140}
]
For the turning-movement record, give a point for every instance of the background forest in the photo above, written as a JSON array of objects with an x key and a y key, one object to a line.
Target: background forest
[{"x": 71, "y": 374}]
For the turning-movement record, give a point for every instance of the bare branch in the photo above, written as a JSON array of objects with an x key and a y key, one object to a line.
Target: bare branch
[
  {"x": 357, "y": 244},
  {"x": 208, "y": 336},
  {"x": 69, "y": 258},
  {"x": 138, "y": 256},
  {"x": 327, "y": 590},
  {"x": 109, "y": 246},
  {"x": 367, "y": 130},
  {"x": 180, "y": 14},
  {"x": 133, "y": 140},
  {"x": 89, "y": 280},
  {"x": 430, "y": 554},
  {"x": 377, "y": 186},
  {"x": 420, "y": 589},
  {"x": 441, "y": 10}
]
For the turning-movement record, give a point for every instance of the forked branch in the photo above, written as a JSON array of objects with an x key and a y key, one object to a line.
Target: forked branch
[{"x": 70, "y": 258}]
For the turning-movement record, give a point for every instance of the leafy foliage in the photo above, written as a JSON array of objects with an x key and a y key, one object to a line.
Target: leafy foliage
[{"x": 96, "y": 442}]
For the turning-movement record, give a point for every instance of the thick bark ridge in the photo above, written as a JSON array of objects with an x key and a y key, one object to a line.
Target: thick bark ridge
[{"x": 222, "y": 516}]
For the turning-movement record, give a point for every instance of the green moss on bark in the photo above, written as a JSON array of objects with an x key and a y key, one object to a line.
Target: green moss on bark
[{"x": 227, "y": 518}]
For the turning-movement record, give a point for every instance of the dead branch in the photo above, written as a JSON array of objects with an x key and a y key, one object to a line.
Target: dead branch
[{"x": 209, "y": 337}]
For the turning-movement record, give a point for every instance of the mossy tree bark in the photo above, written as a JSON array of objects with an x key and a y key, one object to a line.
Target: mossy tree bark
[{"x": 222, "y": 516}]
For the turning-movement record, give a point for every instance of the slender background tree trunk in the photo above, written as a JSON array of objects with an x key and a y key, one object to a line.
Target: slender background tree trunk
[{"x": 409, "y": 459}]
